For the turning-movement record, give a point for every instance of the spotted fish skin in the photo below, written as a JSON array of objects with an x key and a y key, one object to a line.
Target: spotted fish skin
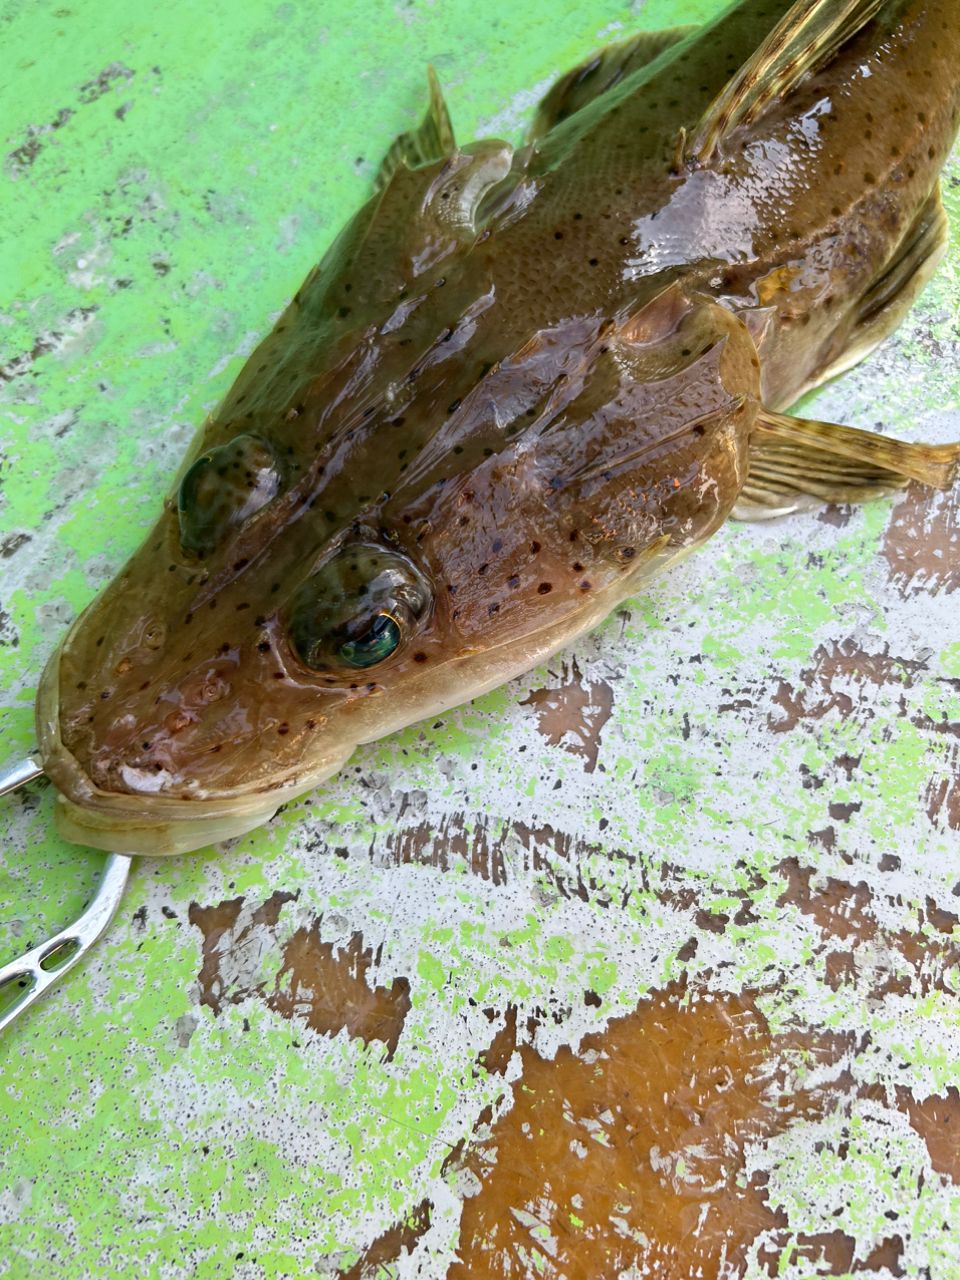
[{"x": 518, "y": 384}]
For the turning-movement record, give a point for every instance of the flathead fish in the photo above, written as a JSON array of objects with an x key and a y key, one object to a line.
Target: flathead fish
[{"x": 519, "y": 383}]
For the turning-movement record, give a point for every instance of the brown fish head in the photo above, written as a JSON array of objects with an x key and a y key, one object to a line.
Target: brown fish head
[{"x": 314, "y": 587}]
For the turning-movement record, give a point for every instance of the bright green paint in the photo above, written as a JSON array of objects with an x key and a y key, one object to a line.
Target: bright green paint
[{"x": 228, "y": 174}]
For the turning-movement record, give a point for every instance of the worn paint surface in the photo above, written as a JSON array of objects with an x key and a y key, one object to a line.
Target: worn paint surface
[{"x": 424, "y": 1023}]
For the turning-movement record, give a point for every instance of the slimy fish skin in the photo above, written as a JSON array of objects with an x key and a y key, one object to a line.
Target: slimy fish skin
[{"x": 519, "y": 383}]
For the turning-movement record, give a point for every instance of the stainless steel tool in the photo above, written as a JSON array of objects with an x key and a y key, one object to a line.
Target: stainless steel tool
[{"x": 24, "y": 980}]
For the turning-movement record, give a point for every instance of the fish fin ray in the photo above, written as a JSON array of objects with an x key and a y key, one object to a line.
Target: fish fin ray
[
  {"x": 592, "y": 78},
  {"x": 432, "y": 140},
  {"x": 885, "y": 304},
  {"x": 799, "y": 462},
  {"x": 918, "y": 256},
  {"x": 805, "y": 38}
]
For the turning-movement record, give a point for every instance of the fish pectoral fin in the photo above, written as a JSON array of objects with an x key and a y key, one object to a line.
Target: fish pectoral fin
[
  {"x": 433, "y": 140},
  {"x": 592, "y": 78},
  {"x": 884, "y": 305},
  {"x": 805, "y": 38},
  {"x": 797, "y": 463}
]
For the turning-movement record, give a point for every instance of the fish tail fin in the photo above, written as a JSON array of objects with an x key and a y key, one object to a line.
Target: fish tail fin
[
  {"x": 797, "y": 463},
  {"x": 806, "y": 37}
]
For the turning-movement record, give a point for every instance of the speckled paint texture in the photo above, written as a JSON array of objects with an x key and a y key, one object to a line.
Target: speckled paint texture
[{"x": 410, "y": 1027}]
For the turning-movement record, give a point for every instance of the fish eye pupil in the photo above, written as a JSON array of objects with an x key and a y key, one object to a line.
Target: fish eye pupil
[{"x": 380, "y": 639}]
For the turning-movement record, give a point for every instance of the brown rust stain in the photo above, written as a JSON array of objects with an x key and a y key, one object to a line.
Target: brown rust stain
[
  {"x": 487, "y": 846},
  {"x": 922, "y": 543},
  {"x": 937, "y": 1120},
  {"x": 329, "y": 988},
  {"x": 845, "y": 661},
  {"x": 843, "y": 912},
  {"x": 942, "y": 798},
  {"x": 631, "y": 1152},
  {"x": 387, "y": 1249},
  {"x": 839, "y": 908},
  {"x": 573, "y": 715},
  {"x": 832, "y": 1253},
  {"x": 496, "y": 1057}
]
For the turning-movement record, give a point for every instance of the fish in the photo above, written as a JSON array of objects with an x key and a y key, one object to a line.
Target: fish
[{"x": 519, "y": 384}]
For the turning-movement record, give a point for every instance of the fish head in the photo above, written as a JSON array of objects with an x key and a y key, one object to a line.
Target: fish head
[{"x": 449, "y": 500}]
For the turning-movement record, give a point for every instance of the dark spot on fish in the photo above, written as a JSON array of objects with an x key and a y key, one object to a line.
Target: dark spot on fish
[
  {"x": 264, "y": 646},
  {"x": 279, "y": 675},
  {"x": 483, "y": 569},
  {"x": 343, "y": 312},
  {"x": 585, "y": 585},
  {"x": 558, "y": 235},
  {"x": 283, "y": 729},
  {"x": 627, "y": 553},
  {"x": 869, "y": 178},
  {"x": 454, "y": 406},
  {"x": 534, "y": 547},
  {"x": 544, "y": 588},
  {"x": 419, "y": 657},
  {"x": 594, "y": 262},
  {"x": 497, "y": 546},
  {"x": 513, "y": 581},
  {"x": 240, "y": 564},
  {"x": 577, "y": 217}
]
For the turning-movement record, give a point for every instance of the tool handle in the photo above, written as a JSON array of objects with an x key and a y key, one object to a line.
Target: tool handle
[{"x": 25, "y": 979}]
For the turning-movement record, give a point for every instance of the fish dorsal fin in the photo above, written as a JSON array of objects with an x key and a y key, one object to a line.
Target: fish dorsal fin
[
  {"x": 806, "y": 37},
  {"x": 432, "y": 140},
  {"x": 797, "y": 463},
  {"x": 601, "y": 71}
]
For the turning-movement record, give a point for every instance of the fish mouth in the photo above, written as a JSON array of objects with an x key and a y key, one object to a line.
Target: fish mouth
[{"x": 155, "y": 825}]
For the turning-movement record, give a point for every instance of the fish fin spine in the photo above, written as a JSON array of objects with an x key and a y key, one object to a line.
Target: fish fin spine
[
  {"x": 432, "y": 140},
  {"x": 804, "y": 39}
]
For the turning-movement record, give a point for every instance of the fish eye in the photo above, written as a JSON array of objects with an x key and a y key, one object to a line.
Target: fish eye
[
  {"x": 382, "y": 638},
  {"x": 357, "y": 609},
  {"x": 223, "y": 488}
]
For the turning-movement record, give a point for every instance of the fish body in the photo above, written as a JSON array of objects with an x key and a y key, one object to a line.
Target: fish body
[{"x": 518, "y": 384}]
